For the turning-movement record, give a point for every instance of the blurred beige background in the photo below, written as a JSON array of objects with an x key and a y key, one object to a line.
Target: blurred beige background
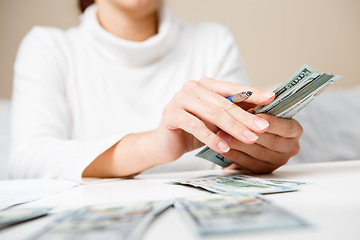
[{"x": 275, "y": 37}]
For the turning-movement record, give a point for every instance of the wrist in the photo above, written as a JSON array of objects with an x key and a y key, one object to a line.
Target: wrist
[{"x": 152, "y": 152}]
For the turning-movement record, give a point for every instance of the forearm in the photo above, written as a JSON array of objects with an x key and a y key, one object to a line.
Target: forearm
[{"x": 131, "y": 155}]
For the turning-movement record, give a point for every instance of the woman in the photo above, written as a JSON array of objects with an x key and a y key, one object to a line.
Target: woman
[{"x": 115, "y": 96}]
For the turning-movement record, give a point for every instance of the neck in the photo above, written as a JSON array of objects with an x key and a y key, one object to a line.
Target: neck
[{"x": 126, "y": 24}]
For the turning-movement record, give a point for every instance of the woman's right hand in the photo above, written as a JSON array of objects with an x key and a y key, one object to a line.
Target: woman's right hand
[
  {"x": 191, "y": 119},
  {"x": 199, "y": 110}
]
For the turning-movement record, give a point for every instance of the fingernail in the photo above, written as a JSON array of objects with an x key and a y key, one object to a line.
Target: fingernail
[
  {"x": 223, "y": 147},
  {"x": 260, "y": 123},
  {"x": 267, "y": 94},
  {"x": 250, "y": 135}
]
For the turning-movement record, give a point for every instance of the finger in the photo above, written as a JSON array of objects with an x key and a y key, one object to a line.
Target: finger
[
  {"x": 287, "y": 128},
  {"x": 256, "y": 150},
  {"x": 217, "y": 104},
  {"x": 226, "y": 89},
  {"x": 260, "y": 152},
  {"x": 243, "y": 169},
  {"x": 248, "y": 162},
  {"x": 247, "y": 106},
  {"x": 201, "y": 106},
  {"x": 198, "y": 129},
  {"x": 279, "y": 144}
]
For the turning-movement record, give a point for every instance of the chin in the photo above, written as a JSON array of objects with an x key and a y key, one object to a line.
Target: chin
[{"x": 137, "y": 5}]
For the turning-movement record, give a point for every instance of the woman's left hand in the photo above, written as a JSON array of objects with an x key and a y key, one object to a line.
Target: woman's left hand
[{"x": 272, "y": 149}]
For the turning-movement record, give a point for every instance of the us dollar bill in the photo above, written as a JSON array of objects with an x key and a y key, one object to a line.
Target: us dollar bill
[
  {"x": 124, "y": 221},
  {"x": 214, "y": 157},
  {"x": 284, "y": 90},
  {"x": 10, "y": 217},
  {"x": 234, "y": 184},
  {"x": 219, "y": 214},
  {"x": 284, "y": 98},
  {"x": 290, "y": 98}
]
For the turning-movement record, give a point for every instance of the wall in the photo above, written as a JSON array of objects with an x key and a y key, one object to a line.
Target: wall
[
  {"x": 17, "y": 17},
  {"x": 275, "y": 37}
]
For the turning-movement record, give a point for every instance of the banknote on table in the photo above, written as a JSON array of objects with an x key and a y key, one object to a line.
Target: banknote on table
[
  {"x": 287, "y": 182},
  {"x": 238, "y": 184},
  {"x": 109, "y": 221},
  {"x": 290, "y": 97},
  {"x": 219, "y": 214},
  {"x": 13, "y": 216}
]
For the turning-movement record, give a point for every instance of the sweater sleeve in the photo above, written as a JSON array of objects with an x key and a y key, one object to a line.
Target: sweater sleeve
[
  {"x": 230, "y": 66},
  {"x": 41, "y": 143}
]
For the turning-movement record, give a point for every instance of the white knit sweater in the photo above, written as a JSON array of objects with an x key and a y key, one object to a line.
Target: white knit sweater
[{"x": 78, "y": 92}]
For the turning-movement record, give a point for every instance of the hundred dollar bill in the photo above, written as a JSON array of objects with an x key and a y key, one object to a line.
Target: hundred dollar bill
[
  {"x": 286, "y": 182},
  {"x": 14, "y": 216},
  {"x": 290, "y": 97},
  {"x": 109, "y": 221},
  {"x": 306, "y": 98},
  {"x": 219, "y": 214},
  {"x": 209, "y": 154},
  {"x": 301, "y": 92},
  {"x": 280, "y": 102},
  {"x": 283, "y": 90},
  {"x": 238, "y": 184}
]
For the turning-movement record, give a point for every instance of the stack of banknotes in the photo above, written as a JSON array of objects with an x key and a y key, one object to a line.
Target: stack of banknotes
[{"x": 290, "y": 97}]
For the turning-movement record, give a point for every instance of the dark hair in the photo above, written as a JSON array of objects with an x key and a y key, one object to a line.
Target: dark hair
[{"x": 83, "y": 4}]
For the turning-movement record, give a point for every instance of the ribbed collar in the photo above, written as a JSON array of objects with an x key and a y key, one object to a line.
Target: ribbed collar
[{"x": 128, "y": 52}]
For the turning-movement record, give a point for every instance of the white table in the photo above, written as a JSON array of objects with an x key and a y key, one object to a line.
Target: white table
[{"x": 331, "y": 203}]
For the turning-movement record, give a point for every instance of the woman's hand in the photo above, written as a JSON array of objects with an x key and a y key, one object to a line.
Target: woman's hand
[
  {"x": 199, "y": 110},
  {"x": 272, "y": 150},
  {"x": 200, "y": 114}
]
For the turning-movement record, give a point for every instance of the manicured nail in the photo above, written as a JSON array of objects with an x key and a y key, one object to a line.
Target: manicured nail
[
  {"x": 260, "y": 123},
  {"x": 250, "y": 135},
  {"x": 223, "y": 147}
]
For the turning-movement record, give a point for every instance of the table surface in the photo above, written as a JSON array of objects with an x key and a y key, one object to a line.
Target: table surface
[{"x": 330, "y": 202}]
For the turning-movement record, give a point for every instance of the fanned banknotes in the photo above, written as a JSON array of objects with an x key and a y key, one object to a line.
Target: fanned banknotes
[
  {"x": 109, "y": 221},
  {"x": 239, "y": 184},
  {"x": 219, "y": 214},
  {"x": 290, "y": 97}
]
